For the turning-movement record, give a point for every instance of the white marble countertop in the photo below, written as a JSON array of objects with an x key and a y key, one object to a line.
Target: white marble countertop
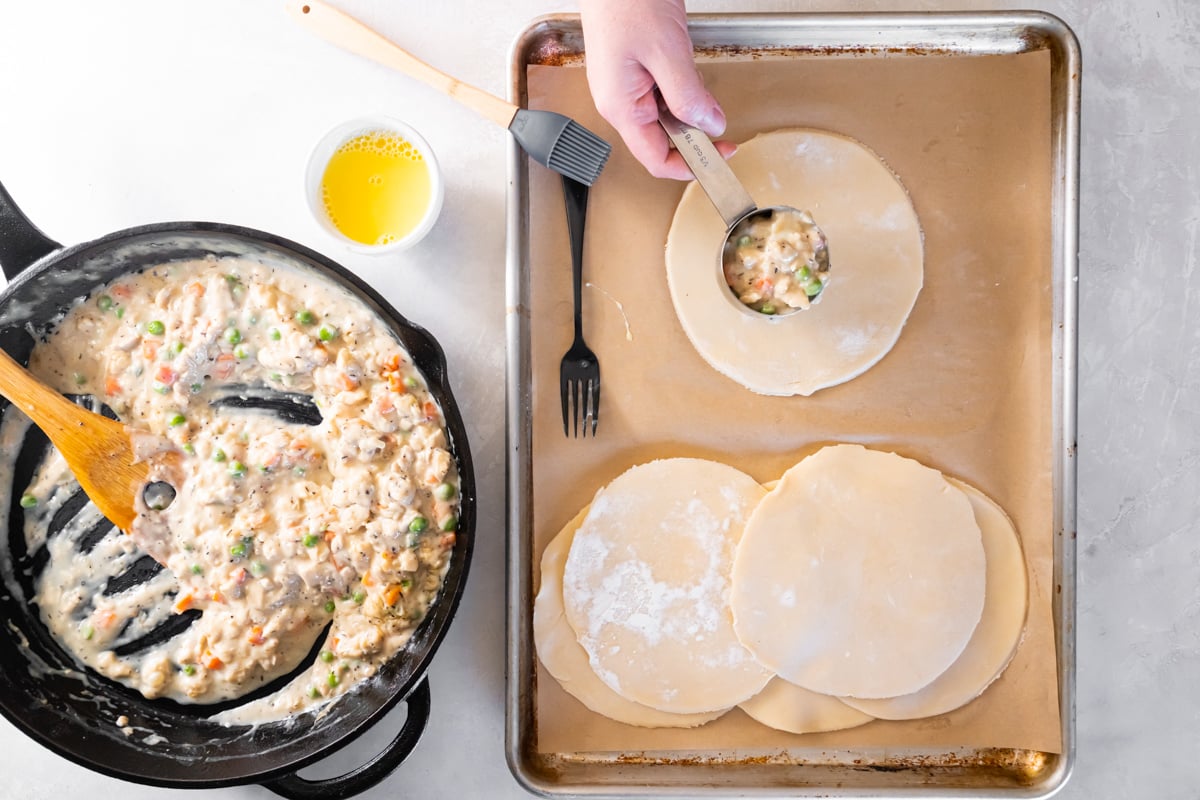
[{"x": 121, "y": 113}]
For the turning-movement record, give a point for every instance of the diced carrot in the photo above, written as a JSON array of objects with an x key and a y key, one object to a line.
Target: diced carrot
[
  {"x": 396, "y": 383},
  {"x": 329, "y": 536},
  {"x": 120, "y": 290},
  {"x": 299, "y": 444},
  {"x": 256, "y": 635},
  {"x": 391, "y": 595},
  {"x": 106, "y": 618},
  {"x": 348, "y": 382},
  {"x": 213, "y": 662},
  {"x": 385, "y": 405},
  {"x": 272, "y": 463},
  {"x": 218, "y": 597},
  {"x": 112, "y": 386},
  {"x": 196, "y": 288},
  {"x": 239, "y": 575},
  {"x": 225, "y": 365},
  {"x": 430, "y": 409},
  {"x": 367, "y": 580},
  {"x": 184, "y": 603},
  {"x": 149, "y": 349},
  {"x": 166, "y": 375},
  {"x": 448, "y": 539}
]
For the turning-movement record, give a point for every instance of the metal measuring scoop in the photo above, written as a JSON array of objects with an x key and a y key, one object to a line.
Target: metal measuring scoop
[{"x": 799, "y": 284}]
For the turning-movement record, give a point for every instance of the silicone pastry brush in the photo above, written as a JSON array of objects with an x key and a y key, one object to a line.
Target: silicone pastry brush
[{"x": 551, "y": 139}]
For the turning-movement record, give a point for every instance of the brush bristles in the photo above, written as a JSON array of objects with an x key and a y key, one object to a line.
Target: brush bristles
[{"x": 579, "y": 154}]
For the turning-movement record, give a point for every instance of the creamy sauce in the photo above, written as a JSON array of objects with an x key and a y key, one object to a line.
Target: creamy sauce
[
  {"x": 776, "y": 261},
  {"x": 279, "y": 530}
]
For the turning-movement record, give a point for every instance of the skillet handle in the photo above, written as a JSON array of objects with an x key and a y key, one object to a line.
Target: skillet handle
[
  {"x": 21, "y": 243},
  {"x": 293, "y": 787}
]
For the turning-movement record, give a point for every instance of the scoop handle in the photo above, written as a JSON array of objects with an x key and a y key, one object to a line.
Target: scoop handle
[
  {"x": 349, "y": 34},
  {"x": 726, "y": 192}
]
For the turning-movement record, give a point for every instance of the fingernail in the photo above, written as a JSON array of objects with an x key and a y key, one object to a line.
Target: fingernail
[{"x": 713, "y": 123}]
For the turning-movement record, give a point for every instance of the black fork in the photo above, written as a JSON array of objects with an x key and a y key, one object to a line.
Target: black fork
[{"x": 579, "y": 374}]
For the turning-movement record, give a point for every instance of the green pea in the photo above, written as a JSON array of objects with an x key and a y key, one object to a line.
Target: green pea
[
  {"x": 263, "y": 468},
  {"x": 311, "y": 540},
  {"x": 176, "y": 348},
  {"x": 176, "y": 420},
  {"x": 405, "y": 583},
  {"x": 196, "y": 387},
  {"x": 233, "y": 335},
  {"x": 156, "y": 327},
  {"x": 813, "y": 288},
  {"x": 120, "y": 312},
  {"x": 161, "y": 388},
  {"x": 219, "y": 455},
  {"x": 327, "y": 333},
  {"x": 88, "y": 631},
  {"x": 275, "y": 376},
  {"x": 444, "y": 491},
  {"x": 333, "y": 679},
  {"x": 411, "y": 382},
  {"x": 258, "y": 569},
  {"x": 804, "y": 274},
  {"x": 189, "y": 448},
  {"x": 768, "y": 309},
  {"x": 744, "y": 240},
  {"x": 314, "y": 692},
  {"x": 197, "y": 569},
  {"x": 241, "y": 352},
  {"x": 327, "y": 656},
  {"x": 189, "y": 669},
  {"x": 28, "y": 501},
  {"x": 80, "y": 378},
  {"x": 238, "y": 550},
  {"x": 276, "y": 335},
  {"x": 330, "y": 606},
  {"x": 412, "y": 540},
  {"x": 305, "y": 317},
  {"x": 237, "y": 469},
  {"x": 359, "y": 596},
  {"x": 104, "y": 302},
  {"x": 418, "y": 524},
  {"x": 299, "y": 471},
  {"x": 450, "y": 524}
]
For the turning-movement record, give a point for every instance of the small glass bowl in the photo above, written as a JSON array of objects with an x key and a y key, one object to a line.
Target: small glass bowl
[{"x": 318, "y": 160}]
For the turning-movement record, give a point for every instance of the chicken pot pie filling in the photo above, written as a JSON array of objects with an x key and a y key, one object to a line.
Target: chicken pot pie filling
[{"x": 280, "y": 532}]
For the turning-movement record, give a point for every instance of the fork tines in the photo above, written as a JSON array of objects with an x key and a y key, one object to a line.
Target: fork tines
[{"x": 580, "y": 401}]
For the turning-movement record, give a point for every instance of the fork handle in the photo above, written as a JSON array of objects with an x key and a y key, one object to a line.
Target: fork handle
[{"x": 575, "y": 195}]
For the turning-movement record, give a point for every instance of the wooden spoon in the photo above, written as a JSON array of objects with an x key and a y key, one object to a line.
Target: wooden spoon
[{"x": 97, "y": 449}]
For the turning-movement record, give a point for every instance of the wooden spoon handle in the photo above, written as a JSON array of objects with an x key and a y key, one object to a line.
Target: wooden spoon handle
[
  {"x": 53, "y": 413},
  {"x": 348, "y": 33}
]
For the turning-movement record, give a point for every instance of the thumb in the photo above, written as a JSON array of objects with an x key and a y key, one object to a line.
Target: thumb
[{"x": 684, "y": 93}]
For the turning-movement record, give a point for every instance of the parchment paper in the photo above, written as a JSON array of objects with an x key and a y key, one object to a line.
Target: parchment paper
[{"x": 967, "y": 389}]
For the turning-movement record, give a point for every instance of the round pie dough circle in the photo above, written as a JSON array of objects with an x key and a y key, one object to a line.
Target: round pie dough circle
[
  {"x": 647, "y": 582},
  {"x": 995, "y": 640},
  {"x": 787, "y": 707},
  {"x": 861, "y": 574},
  {"x": 564, "y": 658},
  {"x": 876, "y": 251}
]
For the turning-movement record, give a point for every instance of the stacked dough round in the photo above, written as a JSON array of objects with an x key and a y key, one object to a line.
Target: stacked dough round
[{"x": 863, "y": 585}]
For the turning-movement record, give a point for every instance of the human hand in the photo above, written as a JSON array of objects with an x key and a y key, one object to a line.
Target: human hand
[{"x": 634, "y": 46}]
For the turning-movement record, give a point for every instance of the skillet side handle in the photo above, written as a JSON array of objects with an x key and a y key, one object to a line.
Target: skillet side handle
[
  {"x": 293, "y": 787},
  {"x": 21, "y": 243}
]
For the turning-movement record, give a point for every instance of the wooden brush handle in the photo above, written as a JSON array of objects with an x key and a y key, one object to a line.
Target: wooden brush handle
[{"x": 348, "y": 33}]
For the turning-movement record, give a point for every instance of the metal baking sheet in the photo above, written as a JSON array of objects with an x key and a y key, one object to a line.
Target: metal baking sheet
[{"x": 557, "y": 40}]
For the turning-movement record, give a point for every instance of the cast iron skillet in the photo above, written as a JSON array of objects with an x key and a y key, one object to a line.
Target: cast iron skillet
[{"x": 72, "y": 710}]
